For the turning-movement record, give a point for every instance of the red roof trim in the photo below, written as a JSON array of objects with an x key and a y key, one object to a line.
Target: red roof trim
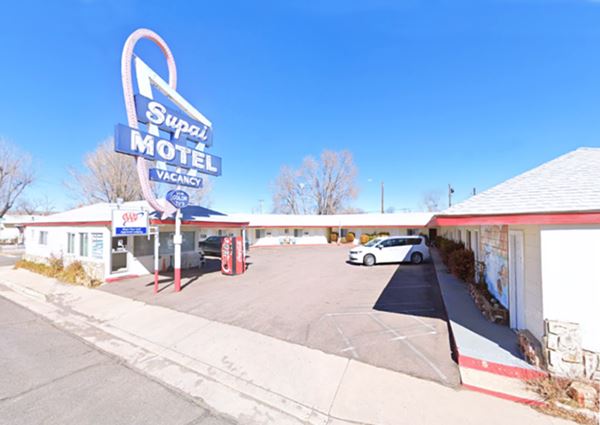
[
  {"x": 370, "y": 226},
  {"x": 68, "y": 223},
  {"x": 202, "y": 223},
  {"x": 544, "y": 218}
]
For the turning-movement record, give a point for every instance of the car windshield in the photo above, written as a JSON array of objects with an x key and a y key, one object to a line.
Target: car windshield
[{"x": 373, "y": 242}]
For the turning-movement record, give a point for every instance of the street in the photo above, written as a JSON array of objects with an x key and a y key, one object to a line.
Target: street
[{"x": 51, "y": 377}]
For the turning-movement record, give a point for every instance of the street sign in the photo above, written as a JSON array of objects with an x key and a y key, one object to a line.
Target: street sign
[
  {"x": 178, "y": 198},
  {"x": 129, "y": 222}
]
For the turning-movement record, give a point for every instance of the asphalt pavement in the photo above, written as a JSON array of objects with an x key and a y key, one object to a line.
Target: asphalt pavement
[
  {"x": 51, "y": 377},
  {"x": 8, "y": 259},
  {"x": 388, "y": 315}
]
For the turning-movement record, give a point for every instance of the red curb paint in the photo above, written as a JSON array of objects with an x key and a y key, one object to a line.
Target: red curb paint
[
  {"x": 504, "y": 396},
  {"x": 116, "y": 279},
  {"x": 500, "y": 369}
]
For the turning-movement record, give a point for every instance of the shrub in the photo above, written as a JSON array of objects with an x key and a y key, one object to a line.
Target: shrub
[
  {"x": 461, "y": 263},
  {"x": 350, "y": 237},
  {"x": 382, "y": 234},
  {"x": 73, "y": 273},
  {"x": 55, "y": 264},
  {"x": 447, "y": 247},
  {"x": 364, "y": 238}
]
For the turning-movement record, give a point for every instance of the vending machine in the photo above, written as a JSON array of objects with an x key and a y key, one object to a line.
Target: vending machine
[{"x": 233, "y": 260}]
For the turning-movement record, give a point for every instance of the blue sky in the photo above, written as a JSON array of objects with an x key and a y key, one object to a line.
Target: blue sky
[{"x": 423, "y": 93}]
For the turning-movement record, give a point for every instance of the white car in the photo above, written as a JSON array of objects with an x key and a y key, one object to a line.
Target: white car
[{"x": 391, "y": 249}]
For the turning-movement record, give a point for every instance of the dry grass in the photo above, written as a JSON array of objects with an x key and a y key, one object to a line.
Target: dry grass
[
  {"x": 554, "y": 392},
  {"x": 74, "y": 273}
]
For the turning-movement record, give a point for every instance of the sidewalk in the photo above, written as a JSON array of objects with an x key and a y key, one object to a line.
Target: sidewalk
[
  {"x": 488, "y": 356},
  {"x": 249, "y": 376}
]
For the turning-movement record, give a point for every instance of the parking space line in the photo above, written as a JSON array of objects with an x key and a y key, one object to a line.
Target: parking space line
[
  {"x": 413, "y": 349},
  {"x": 422, "y": 322},
  {"x": 347, "y": 341}
]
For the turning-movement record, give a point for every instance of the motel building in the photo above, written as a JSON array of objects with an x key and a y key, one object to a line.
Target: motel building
[{"x": 85, "y": 234}]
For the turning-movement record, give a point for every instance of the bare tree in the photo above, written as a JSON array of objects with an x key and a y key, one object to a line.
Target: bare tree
[
  {"x": 16, "y": 174},
  {"x": 288, "y": 195},
  {"x": 108, "y": 176},
  {"x": 201, "y": 196},
  {"x": 431, "y": 201},
  {"x": 41, "y": 206},
  {"x": 323, "y": 186}
]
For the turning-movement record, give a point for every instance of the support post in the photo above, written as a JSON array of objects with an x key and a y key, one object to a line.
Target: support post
[
  {"x": 156, "y": 258},
  {"x": 177, "y": 244}
]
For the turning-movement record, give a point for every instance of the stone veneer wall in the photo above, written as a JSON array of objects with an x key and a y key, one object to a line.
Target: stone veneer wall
[
  {"x": 564, "y": 354},
  {"x": 494, "y": 253}
]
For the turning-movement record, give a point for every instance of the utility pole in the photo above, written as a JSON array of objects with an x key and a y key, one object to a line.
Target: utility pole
[
  {"x": 474, "y": 191},
  {"x": 450, "y": 192},
  {"x": 382, "y": 197}
]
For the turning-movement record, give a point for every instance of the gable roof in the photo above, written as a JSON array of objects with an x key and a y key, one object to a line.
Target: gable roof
[{"x": 569, "y": 183}]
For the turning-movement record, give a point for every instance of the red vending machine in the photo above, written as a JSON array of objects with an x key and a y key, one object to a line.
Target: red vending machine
[{"x": 233, "y": 260}]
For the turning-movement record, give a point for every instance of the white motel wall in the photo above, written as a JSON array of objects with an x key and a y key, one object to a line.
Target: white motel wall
[{"x": 570, "y": 270}]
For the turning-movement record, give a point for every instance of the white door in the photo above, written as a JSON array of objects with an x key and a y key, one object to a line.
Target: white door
[{"x": 515, "y": 279}]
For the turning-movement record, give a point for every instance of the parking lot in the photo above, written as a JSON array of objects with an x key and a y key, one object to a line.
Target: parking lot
[{"x": 390, "y": 316}]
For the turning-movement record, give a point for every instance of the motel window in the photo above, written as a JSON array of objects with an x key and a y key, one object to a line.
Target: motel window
[
  {"x": 97, "y": 246},
  {"x": 410, "y": 232},
  {"x": 83, "y": 245},
  {"x": 343, "y": 233},
  {"x": 166, "y": 243},
  {"x": 70, "y": 243},
  {"x": 259, "y": 233},
  {"x": 297, "y": 233},
  {"x": 143, "y": 246},
  {"x": 220, "y": 232},
  {"x": 468, "y": 241},
  {"x": 43, "y": 238},
  {"x": 458, "y": 236}
]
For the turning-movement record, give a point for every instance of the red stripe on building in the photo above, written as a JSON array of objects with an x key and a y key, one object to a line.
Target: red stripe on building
[
  {"x": 69, "y": 223},
  {"x": 548, "y": 218}
]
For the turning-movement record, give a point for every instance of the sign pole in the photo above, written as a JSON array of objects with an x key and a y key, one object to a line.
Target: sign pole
[
  {"x": 177, "y": 239},
  {"x": 155, "y": 232}
]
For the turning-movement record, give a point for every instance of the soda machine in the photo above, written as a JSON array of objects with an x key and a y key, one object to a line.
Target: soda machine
[{"x": 233, "y": 260}]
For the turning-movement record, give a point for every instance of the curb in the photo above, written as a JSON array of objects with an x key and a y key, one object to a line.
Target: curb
[{"x": 23, "y": 290}]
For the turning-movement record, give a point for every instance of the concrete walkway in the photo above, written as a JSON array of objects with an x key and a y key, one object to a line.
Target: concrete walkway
[
  {"x": 488, "y": 355},
  {"x": 253, "y": 378}
]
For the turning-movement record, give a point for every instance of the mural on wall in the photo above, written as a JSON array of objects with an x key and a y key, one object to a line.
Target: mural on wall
[{"x": 494, "y": 246}]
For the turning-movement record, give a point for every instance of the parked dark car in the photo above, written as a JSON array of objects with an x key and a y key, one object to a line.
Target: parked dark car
[{"x": 211, "y": 246}]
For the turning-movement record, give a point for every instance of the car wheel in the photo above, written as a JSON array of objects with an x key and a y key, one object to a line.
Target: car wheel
[
  {"x": 369, "y": 260},
  {"x": 416, "y": 258}
]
